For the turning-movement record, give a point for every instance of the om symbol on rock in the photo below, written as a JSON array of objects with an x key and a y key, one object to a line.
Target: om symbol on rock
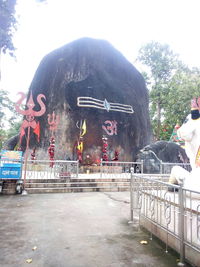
[{"x": 110, "y": 127}]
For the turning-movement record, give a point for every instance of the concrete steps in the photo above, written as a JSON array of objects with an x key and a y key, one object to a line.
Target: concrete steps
[{"x": 77, "y": 185}]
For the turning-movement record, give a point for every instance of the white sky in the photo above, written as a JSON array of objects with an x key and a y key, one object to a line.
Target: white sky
[{"x": 126, "y": 24}]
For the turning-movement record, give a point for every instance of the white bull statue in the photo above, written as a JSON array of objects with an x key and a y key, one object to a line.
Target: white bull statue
[{"x": 190, "y": 133}]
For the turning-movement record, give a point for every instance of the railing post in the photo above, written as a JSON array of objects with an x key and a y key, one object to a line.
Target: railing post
[
  {"x": 142, "y": 166},
  {"x": 181, "y": 226},
  {"x": 161, "y": 167},
  {"x": 134, "y": 221},
  {"x": 101, "y": 169},
  {"x": 131, "y": 197},
  {"x": 77, "y": 169}
]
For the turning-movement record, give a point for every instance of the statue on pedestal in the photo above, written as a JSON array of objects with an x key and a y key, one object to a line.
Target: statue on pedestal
[{"x": 190, "y": 133}]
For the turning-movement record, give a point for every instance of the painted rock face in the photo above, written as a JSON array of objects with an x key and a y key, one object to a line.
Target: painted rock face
[{"x": 99, "y": 98}]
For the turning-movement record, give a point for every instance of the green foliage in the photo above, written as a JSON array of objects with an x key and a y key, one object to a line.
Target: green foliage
[
  {"x": 161, "y": 63},
  {"x": 160, "y": 60},
  {"x": 184, "y": 86},
  {"x": 2, "y": 137},
  {"x": 9, "y": 119},
  {"x": 5, "y": 105},
  {"x": 6, "y": 134},
  {"x": 14, "y": 129},
  {"x": 7, "y": 25},
  {"x": 172, "y": 85}
]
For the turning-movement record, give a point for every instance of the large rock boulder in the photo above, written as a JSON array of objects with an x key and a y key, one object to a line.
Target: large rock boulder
[
  {"x": 154, "y": 154},
  {"x": 90, "y": 80}
]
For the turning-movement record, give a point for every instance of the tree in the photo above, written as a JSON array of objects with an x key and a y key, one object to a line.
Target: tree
[
  {"x": 14, "y": 129},
  {"x": 9, "y": 119},
  {"x": 172, "y": 85},
  {"x": 184, "y": 85},
  {"x": 5, "y": 105},
  {"x": 8, "y": 24},
  {"x": 162, "y": 63}
]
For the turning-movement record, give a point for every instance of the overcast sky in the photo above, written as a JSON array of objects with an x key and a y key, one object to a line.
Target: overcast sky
[{"x": 126, "y": 24}]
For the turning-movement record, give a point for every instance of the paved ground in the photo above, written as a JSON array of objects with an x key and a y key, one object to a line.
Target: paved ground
[{"x": 74, "y": 230}]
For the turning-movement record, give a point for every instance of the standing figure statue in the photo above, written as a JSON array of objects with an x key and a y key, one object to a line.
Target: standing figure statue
[{"x": 190, "y": 133}]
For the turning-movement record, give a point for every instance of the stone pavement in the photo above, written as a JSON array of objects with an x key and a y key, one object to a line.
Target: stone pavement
[{"x": 74, "y": 230}]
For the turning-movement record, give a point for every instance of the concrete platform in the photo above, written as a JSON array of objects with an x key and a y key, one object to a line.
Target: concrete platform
[{"x": 74, "y": 230}]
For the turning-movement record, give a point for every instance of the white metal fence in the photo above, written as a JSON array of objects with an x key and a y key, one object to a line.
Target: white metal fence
[
  {"x": 119, "y": 169},
  {"x": 171, "y": 212},
  {"x": 45, "y": 169}
]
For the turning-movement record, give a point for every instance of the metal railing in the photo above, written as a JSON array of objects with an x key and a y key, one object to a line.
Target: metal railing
[
  {"x": 166, "y": 167},
  {"x": 171, "y": 212},
  {"x": 46, "y": 169},
  {"x": 107, "y": 169},
  {"x": 158, "y": 166},
  {"x": 123, "y": 169},
  {"x": 119, "y": 169}
]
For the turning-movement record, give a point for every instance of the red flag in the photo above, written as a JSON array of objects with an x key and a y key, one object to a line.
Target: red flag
[{"x": 37, "y": 131}]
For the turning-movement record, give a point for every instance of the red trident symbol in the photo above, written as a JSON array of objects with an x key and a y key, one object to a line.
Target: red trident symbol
[
  {"x": 53, "y": 121},
  {"x": 29, "y": 122},
  {"x": 30, "y": 114}
]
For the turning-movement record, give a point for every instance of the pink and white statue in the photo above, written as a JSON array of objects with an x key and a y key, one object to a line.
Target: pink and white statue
[{"x": 190, "y": 133}]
